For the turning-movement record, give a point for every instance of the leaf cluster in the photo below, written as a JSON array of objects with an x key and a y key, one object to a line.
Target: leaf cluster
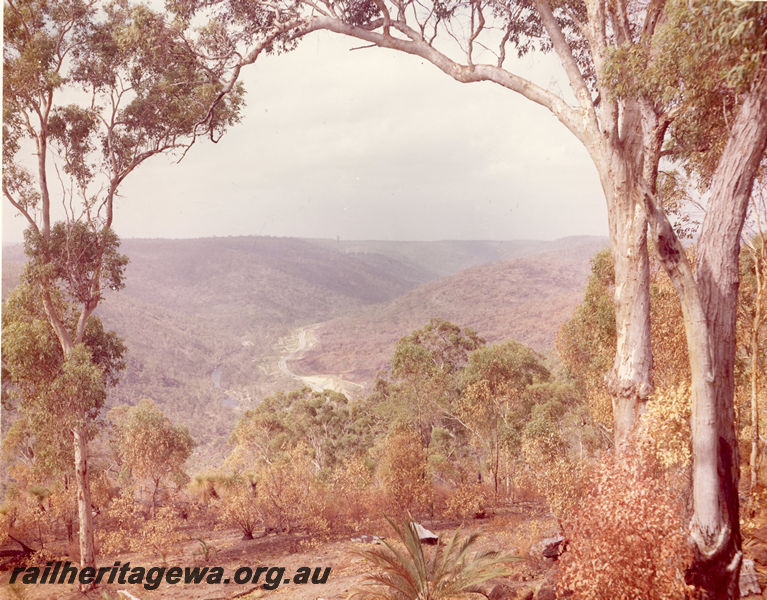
[
  {"x": 407, "y": 572},
  {"x": 76, "y": 258},
  {"x": 148, "y": 445},
  {"x": 334, "y": 428}
]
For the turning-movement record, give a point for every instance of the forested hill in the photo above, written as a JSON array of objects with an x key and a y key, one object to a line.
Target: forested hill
[
  {"x": 525, "y": 299},
  {"x": 191, "y": 306}
]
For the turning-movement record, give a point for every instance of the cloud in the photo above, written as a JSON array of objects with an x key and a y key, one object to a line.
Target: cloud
[{"x": 371, "y": 144}]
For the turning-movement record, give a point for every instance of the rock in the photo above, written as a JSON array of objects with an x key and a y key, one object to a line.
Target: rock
[
  {"x": 424, "y": 535},
  {"x": 551, "y": 547},
  {"x": 749, "y": 584},
  {"x": 546, "y": 593},
  {"x": 522, "y": 594},
  {"x": 368, "y": 539},
  {"x": 500, "y": 591}
]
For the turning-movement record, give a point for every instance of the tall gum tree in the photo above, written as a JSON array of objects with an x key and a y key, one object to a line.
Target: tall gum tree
[
  {"x": 732, "y": 41},
  {"x": 90, "y": 91},
  {"x": 624, "y": 128}
]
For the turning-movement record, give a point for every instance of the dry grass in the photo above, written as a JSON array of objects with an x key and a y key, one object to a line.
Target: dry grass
[{"x": 506, "y": 532}]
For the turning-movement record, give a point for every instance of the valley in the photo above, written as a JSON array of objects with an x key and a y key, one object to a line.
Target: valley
[{"x": 268, "y": 314}]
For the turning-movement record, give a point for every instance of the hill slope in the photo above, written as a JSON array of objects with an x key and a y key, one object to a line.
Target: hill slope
[
  {"x": 525, "y": 299},
  {"x": 203, "y": 319}
]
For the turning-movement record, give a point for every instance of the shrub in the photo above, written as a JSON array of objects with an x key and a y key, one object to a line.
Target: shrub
[
  {"x": 467, "y": 501},
  {"x": 667, "y": 423},
  {"x": 119, "y": 524},
  {"x": 161, "y": 534},
  {"x": 239, "y": 507},
  {"x": 403, "y": 473},
  {"x": 124, "y": 527},
  {"x": 288, "y": 494},
  {"x": 561, "y": 482},
  {"x": 627, "y": 536},
  {"x": 352, "y": 482}
]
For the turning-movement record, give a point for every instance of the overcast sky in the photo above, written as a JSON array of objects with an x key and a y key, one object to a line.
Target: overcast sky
[{"x": 370, "y": 144}]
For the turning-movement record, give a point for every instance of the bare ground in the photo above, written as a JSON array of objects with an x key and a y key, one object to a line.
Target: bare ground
[{"x": 511, "y": 530}]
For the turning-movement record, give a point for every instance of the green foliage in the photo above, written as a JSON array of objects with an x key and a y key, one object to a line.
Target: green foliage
[
  {"x": 505, "y": 366},
  {"x": 698, "y": 80},
  {"x": 149, "y": 446},
  {"x": 438, "y": 346},
  {"x": 496, "y": 399},
  {"x": 334, "y": 429},
  {"x": 586, "y": 343},
  {"x": 76, "y": 259},
  {"x": 53, "y": 394},
  {"x": 425, "y": 378},
  {"x": 159, "y": 100},
  {"x": 406, "y": 572}
]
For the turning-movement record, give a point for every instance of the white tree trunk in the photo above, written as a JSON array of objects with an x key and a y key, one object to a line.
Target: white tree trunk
[
  {"x": 630, "y": 379},
  {"x": 709, "y": 303},
  {"x": 87, "y": 553}
]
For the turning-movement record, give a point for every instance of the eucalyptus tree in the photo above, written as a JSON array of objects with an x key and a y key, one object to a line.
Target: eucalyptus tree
[
  {"x": 150, "y": 447},
  {"x": 52, "y": 396},
  {"x": 496, "y": 398},
  {"x": 731, "y": 41},
  {"x": 91, "y": 90},
  {"x": 425, "y": 375},
  {"x": 36, "y": 375}
]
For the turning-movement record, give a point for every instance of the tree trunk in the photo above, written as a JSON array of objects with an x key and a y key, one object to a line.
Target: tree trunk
[
  {"x": 87, "y": 553},
  {"x": 716, "y": 516},
  {"x": 630, "y": 380},
  {"x": 755, "y": 325},
  {"x": 709, "y": 303}
]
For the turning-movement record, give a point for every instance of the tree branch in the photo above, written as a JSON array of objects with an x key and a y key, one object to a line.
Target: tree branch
[
  {"x": 417, "y": 46},
  {"x": 566, "y": 58}
]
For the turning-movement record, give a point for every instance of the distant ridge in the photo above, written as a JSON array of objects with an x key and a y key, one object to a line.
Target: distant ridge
[{"x": 525, "y": 299}]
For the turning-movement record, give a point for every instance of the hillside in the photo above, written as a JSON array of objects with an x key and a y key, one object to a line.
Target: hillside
[
  {"x": 525, "y": 299},
  {"x": 206, "y": 320}
]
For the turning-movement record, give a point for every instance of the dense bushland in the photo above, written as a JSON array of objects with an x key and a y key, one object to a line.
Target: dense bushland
[{"x": 452, "y": 428}]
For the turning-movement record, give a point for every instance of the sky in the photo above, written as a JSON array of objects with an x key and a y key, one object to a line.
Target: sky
[{"x": 370, "y": 144}]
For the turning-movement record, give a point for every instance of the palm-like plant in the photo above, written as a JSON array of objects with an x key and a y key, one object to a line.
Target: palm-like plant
[{"x": 405, "y": 572}]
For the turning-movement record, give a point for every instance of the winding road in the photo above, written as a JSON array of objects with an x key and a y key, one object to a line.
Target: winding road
[{"x": 317, "y": 383}]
